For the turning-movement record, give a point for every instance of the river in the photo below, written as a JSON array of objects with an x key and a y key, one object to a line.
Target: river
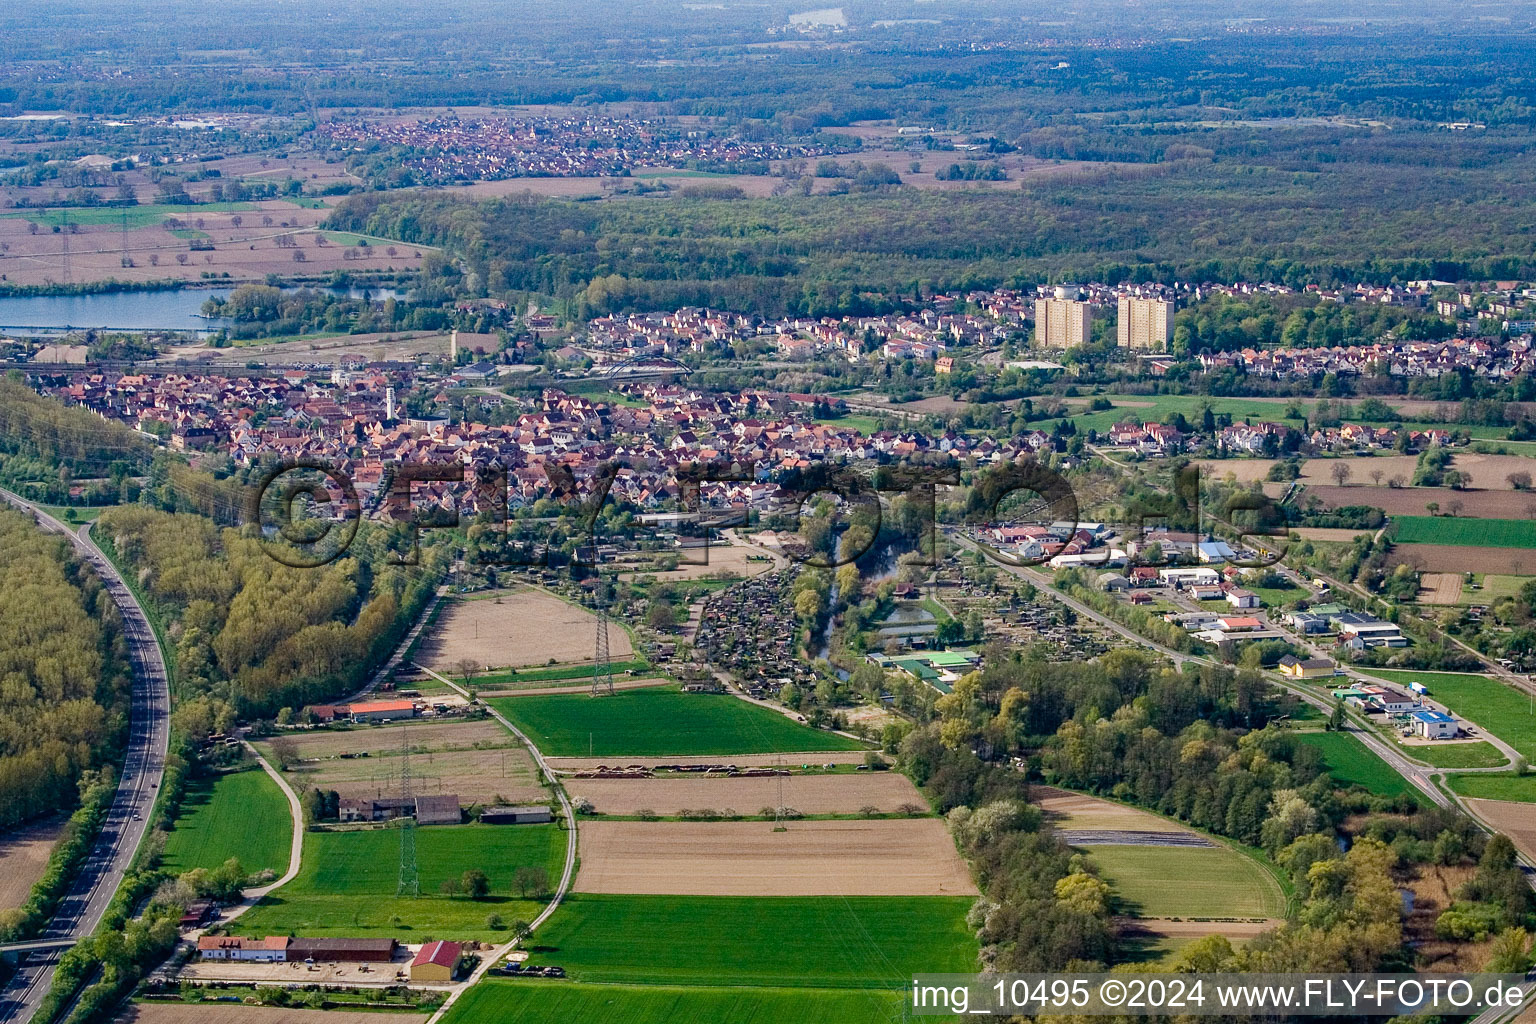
[{"x": 172, "y": 310}]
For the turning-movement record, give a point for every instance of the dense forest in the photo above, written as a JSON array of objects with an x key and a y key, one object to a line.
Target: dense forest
[
  {"x": 870, "y": 253},
  {"x": 64, "y": 672},
  {"x": 255, "y": 632},
  {"x": 78, "y": 440}
]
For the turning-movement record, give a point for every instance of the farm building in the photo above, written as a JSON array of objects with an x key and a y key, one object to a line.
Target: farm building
[
  {"x": 442, "y": 809},
  {"x": 382, "y": 710},
  {"x": 439, "y": 809},
  {"x": 1305, "y": 668},
  {"x": 524, "y": 815},
  {"x": 372, "y": 951},
  {"x": 273, "y": 949},
  {"x": 436, "y": 961},
  {"x": 1435, "y": 725}
]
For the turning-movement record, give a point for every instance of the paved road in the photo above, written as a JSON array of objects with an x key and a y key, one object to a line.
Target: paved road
[{"x": 139, "y": 782}]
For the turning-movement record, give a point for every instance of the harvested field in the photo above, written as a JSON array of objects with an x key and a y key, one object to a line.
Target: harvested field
[
  {"x": 900, "y": 857},
  {"x": 226, "y": 1013},
  {"x": 811, "y": 758},
  {"x": 1411, "y": 501},
  {"x": 479, "y": 761},
  {"x": 1440, "y": 588},
  {"x": 1513, "y": 819},
  {"x": 1067, "y": 810},
  {"x": 516, "y": 629},
  {"x": 1454, "y": 558},
  {"x": 385, "y": 739},
  {"x": 158, "y": 241},
  {"x": 23, "y": 858},
  {"x": 1245, "y": 471},
  {"x": 809, "y": 794}
]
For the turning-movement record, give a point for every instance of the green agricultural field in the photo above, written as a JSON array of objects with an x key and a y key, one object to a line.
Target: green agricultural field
[
  {"x": 1498, "y": 708},
  {"x": 1521, "y": 788},
  {"x": 347, "y": 884},
  {"x": 659, "y": 721},
  {"x": 1472, "y": 533},
  {"x": 241, "y": 814},
  {"x": 138, "y": 216},
  {"x": 1351, "y": 762},
  {"x": 537, "y": 674},
  {"x": 1182, "y": 881},
  {"x": 837, "y": 942},
  {"x": 865, "y": 425},
  {"x": 500, "y": 1001}
]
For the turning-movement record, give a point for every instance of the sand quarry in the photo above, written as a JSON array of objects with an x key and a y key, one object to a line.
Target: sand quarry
[
  {"x": 516, "y": 629},
  {"x": 898, "y": 857},
  {"x": 808, "y": 794}
]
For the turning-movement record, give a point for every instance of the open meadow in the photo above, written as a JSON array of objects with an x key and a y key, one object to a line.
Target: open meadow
[
  {"x": 517, "y": 628},
  {"x": 240, "y": 814},
  {"x": 660, "y": 720},
  {"x": 1514, "y": 788},
  {"x": 348, "y": 882},
  {"x": 882, "y": 857},
  {"x": 1351, "y": 762},
  {"x": 854, "y": 942},
  {"x": 1175, "y": 881},
  {"x": 808, "y": 794},
  {"x": 479, "y": 761}
]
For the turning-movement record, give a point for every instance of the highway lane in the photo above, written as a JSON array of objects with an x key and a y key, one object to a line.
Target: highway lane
[{"x": 138, "y": 783}]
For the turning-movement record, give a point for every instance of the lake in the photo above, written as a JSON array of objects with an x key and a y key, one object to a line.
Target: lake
[{"x": 176, "y": 310}]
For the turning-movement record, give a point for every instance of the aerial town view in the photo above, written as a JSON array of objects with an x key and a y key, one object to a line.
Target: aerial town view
[{"x": 726, "y": 513}]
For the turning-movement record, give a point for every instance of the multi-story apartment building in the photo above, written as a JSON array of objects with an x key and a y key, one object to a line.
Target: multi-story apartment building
[
  {"x": 1145, "y": 323},
  {"x": 1063, "y": 321}
]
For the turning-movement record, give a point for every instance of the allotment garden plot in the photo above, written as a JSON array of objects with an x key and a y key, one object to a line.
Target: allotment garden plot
[
  {"x": 515, "y": 629},
  {"x": 480, "y": 762},
  {"x": 897, "y": 857}
]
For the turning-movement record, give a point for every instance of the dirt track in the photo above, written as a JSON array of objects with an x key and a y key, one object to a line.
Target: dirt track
[
  {"x": 809, "y": 794},
  {"x": 225, "y": 1013},
  {"x": 899, "y": 857}
]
